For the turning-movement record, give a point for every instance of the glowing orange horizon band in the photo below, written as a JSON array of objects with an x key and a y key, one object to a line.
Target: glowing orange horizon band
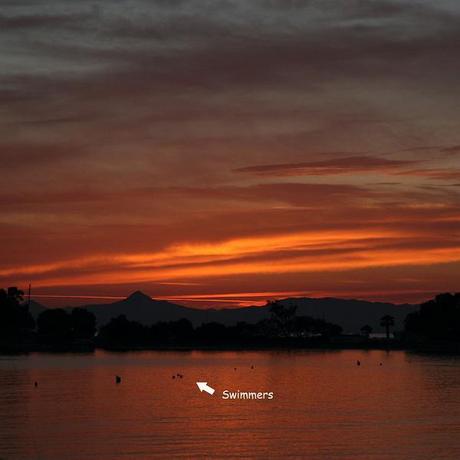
[{"x": 182, "y": 263}]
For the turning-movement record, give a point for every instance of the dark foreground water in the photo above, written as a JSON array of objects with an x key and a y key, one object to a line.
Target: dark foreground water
[{"x": 324, "y": 406}]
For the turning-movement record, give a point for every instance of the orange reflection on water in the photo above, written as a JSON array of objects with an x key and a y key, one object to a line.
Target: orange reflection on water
[{"x": 325, "y": 406}]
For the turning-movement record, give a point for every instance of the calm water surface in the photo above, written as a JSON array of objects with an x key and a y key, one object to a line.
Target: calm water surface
[{"x": 325, "y": 407}]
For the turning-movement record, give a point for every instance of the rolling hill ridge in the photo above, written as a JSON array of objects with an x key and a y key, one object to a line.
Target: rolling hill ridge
[{"x": 349, "y": 313}]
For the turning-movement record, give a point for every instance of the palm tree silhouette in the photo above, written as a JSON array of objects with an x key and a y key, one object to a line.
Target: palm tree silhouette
[{"x": 387, "y": 321}]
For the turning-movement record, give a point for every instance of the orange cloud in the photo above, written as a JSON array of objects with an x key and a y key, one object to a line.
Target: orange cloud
[{"x": 305, "y": 252}]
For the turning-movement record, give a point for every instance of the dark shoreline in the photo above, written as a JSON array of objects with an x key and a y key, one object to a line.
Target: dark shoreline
[{"x": 442, "y": 348}]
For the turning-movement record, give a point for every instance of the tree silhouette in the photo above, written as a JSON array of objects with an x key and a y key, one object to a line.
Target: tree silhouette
[
  {"x": 58, "y": 326},
  {"x": 366, "y": 330},
  {"x": 54, "y": 326},
  {"x": 212, "y": 332},
  {"x": 306, "y": 326},
  {"x": 83, "y": 324},
  {"x": 387, "y": 321},
  {"x": 438, "y": 318},
  {"x": 15, "y": 294},
  {"x": 171, "y": 332},
  {"x": 16, "y": 322},
  {"x": 120, "y": 331},
  {"x": 282, "y": 317}
]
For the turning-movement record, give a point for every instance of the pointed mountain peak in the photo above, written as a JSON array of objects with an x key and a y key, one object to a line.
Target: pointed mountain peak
[{"x": 138, "y": 296}]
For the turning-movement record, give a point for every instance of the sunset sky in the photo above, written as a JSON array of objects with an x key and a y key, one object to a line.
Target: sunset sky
[{"x": 220, "y": 153}]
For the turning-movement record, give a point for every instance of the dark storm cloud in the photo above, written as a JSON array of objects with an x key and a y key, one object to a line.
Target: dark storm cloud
[
  {"x": 249, "y": 60},
  {"x": 190, "y": 49},
  {"x": 178, "y": 51}
]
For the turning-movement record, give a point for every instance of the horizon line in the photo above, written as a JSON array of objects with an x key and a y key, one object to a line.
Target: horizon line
[{"x": 235, "y": 299}]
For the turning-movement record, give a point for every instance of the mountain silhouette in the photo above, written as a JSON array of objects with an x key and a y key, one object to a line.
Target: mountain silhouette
[
  {"x": 138, "y": 296},
  {"x": 349, "y": 313},
  {"x": 139, "y": 307}
]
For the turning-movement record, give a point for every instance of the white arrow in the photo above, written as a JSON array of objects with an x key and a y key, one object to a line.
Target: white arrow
[{"x": 203, "y": 386}]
